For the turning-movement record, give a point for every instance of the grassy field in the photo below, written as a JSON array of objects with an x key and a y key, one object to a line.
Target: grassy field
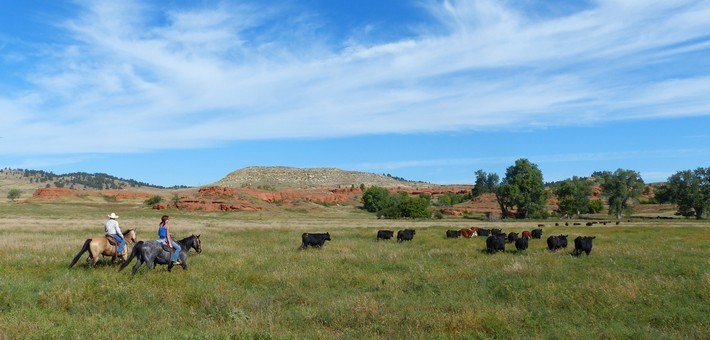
[{"x": 644, "y": 279}]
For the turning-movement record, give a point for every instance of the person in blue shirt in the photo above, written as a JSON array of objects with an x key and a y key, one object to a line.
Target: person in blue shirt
[{"x": 164, "y": 235}]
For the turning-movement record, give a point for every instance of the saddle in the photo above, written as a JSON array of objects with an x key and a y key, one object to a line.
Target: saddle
[
  {"x": 166, "y": 248},
  {"x": 111, "y": 240}
]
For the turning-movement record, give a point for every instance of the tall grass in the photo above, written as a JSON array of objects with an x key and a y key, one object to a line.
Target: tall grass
[{"x": 252, "y": 282}]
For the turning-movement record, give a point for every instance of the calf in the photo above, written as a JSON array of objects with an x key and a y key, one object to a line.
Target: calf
[
  {"x": 583, "y": 244},
  {"x": 484, "y": 232},
  {"x": 495, "y": 244},
  {"x": 467, "y": 233},
  {"x": 314, "y": 239},
  {"x": 557, "y": 242},
  {"x": 512, "y": 237},
  {"x": 405, "y": 235},
  {"x": 453, "y": 234},
  {"x": 384, "y": 234},
  {"x": 527, "y": 234},
  {"x": 537, "y": 233},
  {"x": 521, "y": 244}
]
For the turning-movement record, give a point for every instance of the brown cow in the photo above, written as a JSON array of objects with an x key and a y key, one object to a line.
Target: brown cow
[
  {"x": 467, "y": 233},
  {"x": 527, "y": 234}
]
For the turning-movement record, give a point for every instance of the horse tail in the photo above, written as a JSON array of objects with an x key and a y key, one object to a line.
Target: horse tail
[
  {"x": 136, "y": 248},
  {"x": 78, "y": 255}
]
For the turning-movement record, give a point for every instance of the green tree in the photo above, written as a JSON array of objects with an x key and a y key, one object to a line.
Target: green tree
[
  {"x": 621, "y": 188},
  {"x": 690, "y": 190},
  {"x": 573, "y": 196},
  {"x": 485, "y": 183},
  {"x": 14, "y": 194},
  {"x": 524, "y": 188},
  {"x": 376, "y": 198}
]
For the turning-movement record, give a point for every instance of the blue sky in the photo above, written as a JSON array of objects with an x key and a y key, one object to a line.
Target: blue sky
[{"x": 183, "y": 92}]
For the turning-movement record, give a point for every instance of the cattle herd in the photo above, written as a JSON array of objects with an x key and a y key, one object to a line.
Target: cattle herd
[{"x": 495, "y": 241}]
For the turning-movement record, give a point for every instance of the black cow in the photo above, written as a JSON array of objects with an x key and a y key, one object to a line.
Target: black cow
[
  {"x": 484, "y": 232},
  {"x": 557, "y": 242},
  {"x": 405, "y": 235},
  {"x": 314, "y": 239},
  {"x": 537, "y": 233},
  {"x": 384, "y": 234},
  {"x": 512, "y": 237},
  {"x": 496, "y": 232},
  {"x": 495, "y": 244},
  {"x": 583, "y": 244},
  {"x": 453, "y": 233},
  {"x": 521, "y": 244}
]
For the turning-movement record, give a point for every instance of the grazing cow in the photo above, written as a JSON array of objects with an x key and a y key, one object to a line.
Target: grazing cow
[
  {"x": 453, "y": 234},
  {"x": 384, "y": 234},
  {"x": 557, "y": 224},
  {"x": 589, "y": 224},
  {"x": 576, "y": 223},
  {"x": 512, "y": 237},
  {"x": 617, "y": 222},
  {"x": 540, "y": 225},
  {"x": 527, "y": 234},
  {"x": 583, "y": 244},
  {"x": 521, "y": 244},
  {"x": 495, "y": 244},
  {"x": 537, "y": 233},
  {"x": 467, "y": 233},
  {"x": 405, "y": 235},
  {"x": 566, "y": 224},
  {"x": 484, "y": 232},
  {"x": 557, "y": 242},
  {"x": 314, "y": 239}
]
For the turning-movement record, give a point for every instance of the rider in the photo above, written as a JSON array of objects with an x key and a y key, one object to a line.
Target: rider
[
  {"x": 111, "y": 228},
  {"x": 164, "y": 235}
]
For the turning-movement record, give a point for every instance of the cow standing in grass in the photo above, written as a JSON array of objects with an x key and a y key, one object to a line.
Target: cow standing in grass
[{"x": 314, "y": 239}]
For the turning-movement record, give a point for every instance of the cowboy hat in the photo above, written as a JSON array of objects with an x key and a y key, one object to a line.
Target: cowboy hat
[{"x": 113, "y": 215}]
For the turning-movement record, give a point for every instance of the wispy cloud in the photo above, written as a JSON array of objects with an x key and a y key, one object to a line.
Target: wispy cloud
[
  {"x": 538, "y": 159},
  {"x": 140, "y": 77}
]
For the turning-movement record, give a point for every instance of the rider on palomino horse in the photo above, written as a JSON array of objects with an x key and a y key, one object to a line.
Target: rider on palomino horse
[{"x": 112, "y": 229}]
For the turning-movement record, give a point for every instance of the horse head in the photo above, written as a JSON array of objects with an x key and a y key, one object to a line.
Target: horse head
[
  {"x": 192, "y": 242},
  {"x": 196, "y": 244},
  {"x": 130, "y": 236}
]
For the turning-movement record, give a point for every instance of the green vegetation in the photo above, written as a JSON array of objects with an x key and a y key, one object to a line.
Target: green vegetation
[
  {"x": 14, "y": 194},
  {"x": 252, "y": 282},
  {"x": 523, "y": 189},
  {"x": 393, "y": 206},
  {"x": 573, "y": 195},
  {"x": 153, "y": 200},
  {"x": 485, "y": 183},
  {"x": 621, "y": 188},
  {"x": 690, "y": 190}
]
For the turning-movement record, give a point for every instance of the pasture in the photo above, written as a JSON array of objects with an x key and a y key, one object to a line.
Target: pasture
[{"x": 644, "y": 279}]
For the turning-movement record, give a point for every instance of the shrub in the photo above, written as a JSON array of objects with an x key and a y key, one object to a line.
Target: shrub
[{"x": 153, "y": 200}]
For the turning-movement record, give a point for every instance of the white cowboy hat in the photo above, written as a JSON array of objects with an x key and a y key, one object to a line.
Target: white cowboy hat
[{"x": 113, "y": 215}]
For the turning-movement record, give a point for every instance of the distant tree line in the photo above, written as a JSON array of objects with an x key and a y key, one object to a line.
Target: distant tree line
[
  {"x": 522, "y": 194},
  {"x": 99, "y": 181}
]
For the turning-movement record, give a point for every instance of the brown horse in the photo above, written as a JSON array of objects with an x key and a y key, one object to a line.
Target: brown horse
[{"x": 100, "y": 246}]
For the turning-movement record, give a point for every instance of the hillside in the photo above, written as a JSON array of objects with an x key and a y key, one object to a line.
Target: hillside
[
  {"x": 27, "y": 181},
  {"x": 287, "y": 177}
]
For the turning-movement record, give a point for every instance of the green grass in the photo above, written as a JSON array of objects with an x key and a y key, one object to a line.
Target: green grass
[{"x": 646, "y": 282}]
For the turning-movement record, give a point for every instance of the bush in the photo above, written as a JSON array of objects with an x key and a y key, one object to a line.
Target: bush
[
  {"x": 153, "y": 200},
  {"x": 596, "y": 206}
]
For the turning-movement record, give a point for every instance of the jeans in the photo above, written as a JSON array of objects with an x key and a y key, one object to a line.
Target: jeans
[
  {"x": 177, "y": 248},
  {"x": 121, "y": 243}
]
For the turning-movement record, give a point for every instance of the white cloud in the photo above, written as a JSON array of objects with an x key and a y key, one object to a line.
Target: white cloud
[{"x": 220, "y": 73}]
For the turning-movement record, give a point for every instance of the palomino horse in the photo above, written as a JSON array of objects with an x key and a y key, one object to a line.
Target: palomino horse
[
  {"x": 100, "y": 246},
  {"x": 152, "y": 252}
]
